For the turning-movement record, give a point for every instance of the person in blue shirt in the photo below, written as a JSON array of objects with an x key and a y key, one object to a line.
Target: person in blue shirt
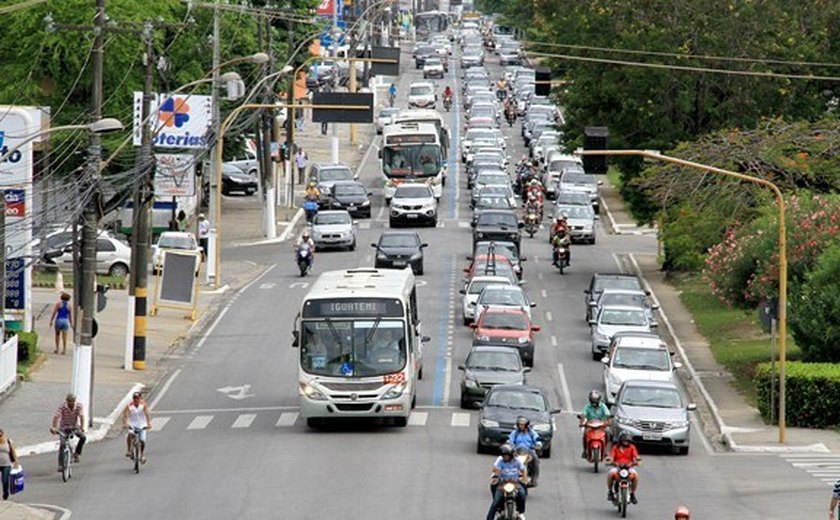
[
  {"x": 507, "y": 468},
  {"x": 594, "y": 410},
  {"x": 525, "y": 437},
  {"x": 392, "y": 94}
]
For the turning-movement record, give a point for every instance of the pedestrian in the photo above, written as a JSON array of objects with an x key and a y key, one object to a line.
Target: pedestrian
[
  {"x": 203, "y": 235},
  {"x": 8, "y": 460},
  {"x": 62, "y": 320},
  {"x": 324, "y": 128},
  {"x": 182, "y": 221},
  {"x": 835, "y": 500},
  {"x": 302, "y": 161}
]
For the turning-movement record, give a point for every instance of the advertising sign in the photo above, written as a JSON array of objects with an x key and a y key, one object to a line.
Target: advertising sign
[
  {"x": 15, "y": 203},
  {"x": 174, "y": 175},
  {"x": 179, "y": 121},
  {"x": 15, "y": 284}
]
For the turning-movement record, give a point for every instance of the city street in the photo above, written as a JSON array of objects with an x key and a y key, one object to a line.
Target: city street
[{"x": 227, "y": 441}]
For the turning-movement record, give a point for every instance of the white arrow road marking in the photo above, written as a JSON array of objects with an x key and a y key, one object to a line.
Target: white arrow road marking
[
  {"x": 267, "y": 285},
  {"x": 564, "y": 388},
  {"x": 461, "y": 419},
  {"x": 418, "y": 418},
  {"x": 236, "y": 392},
  {"x": 299, "y": 285}
]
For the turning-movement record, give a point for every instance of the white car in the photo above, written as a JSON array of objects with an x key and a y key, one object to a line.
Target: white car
[
  {"x": 422, "y": 95},
  {"x": 634, "y": 357},
  {"x": 614, "y": 319},
  {"x": 473, "y": 290},
  {"x": 334, "y": 228},
  {"x": 173, "y": 241},
  {"x": 494, "y": 296},
  {"x": 413, "y": 203},
  {"x": 433, "y": 68}
]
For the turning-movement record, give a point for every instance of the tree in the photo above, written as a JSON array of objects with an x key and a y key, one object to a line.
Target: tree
[{"x": 814, "y": 307}]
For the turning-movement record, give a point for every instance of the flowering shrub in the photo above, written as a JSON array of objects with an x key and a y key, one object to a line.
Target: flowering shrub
[{"x": 814, "y": 307}]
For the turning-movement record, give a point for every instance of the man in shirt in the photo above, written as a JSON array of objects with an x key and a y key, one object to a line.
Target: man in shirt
[
  {"x": 594, "y": 410},
  {"x": 623, "y": 454},
  {"x": 835, "y": 499},
  {"x": 507, "y": 468},
  {"x": 69, "y": 418}
]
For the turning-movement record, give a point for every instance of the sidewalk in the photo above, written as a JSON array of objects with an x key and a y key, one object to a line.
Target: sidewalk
[
  {"x": 12, "y": 511},
  {"x": 727, "y": 418}
]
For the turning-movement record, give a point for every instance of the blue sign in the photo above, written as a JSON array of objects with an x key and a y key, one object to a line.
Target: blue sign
[
  {"x": 15, "y": 278},
  {"x": 15, "y": 157},
  {"x": 326, "y": 37}
]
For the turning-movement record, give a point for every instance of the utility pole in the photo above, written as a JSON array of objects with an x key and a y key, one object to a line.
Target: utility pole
[
  {"x": 215, "y": 165},
  {"x": 290, "y": 99},
  {"x": 334, "y": 127},
  {"x": 3, "y": 266},
  {"x": 267, "y": 171}
]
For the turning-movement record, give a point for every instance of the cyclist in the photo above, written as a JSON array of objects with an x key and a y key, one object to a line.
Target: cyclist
[
  {"x": 136, "y": 416},
  {"x": 392, "y": 94},
  {"x": 69, "y": 418}
]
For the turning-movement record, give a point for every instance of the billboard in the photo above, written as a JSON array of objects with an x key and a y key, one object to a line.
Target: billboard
[
  {"x": 178, "y": 121},
  {"x": 174, "y": 175}
]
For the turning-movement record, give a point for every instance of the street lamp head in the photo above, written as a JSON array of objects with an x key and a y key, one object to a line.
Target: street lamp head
[
  {"x": 105, "y": 125},
  {"x": 258, "y": 57},
  {"x": 227, "y": 77},
  {"x": 287, "y": 69}
]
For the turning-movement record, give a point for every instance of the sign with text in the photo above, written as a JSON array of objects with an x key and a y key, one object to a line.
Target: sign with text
[
  {"x": 174, "y": 175},
  {"x": 15, "y": 284},
  {"x": 179, "y": 121},
  {"x": 15, "y": 203}
]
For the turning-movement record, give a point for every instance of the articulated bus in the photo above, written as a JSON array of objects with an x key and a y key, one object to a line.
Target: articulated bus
[
  {"x": 423, "y": 115},
  {"x": 360, "y": 346},
  {"x": 412, "y": 153}
]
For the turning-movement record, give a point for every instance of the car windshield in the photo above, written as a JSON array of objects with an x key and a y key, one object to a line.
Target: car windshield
[
  {"x": 628, "y": 299},
  {"x": 353, "y": 348},
  {"x": 490, "y": 157},
  {"x": 617, "y": 283},
  {"x": 642, "y": 359},
  {"x": 577, "y": 211},
  {"x": 480, "y": 133},
  {"x": 579, "y": 178},
  {"x": 419, "y": 160},
  {"x": 327, "y": 219},
  {"x": 494, "y": 189},
  {"x": 494, "y": 202},
  {"x": 412, "y": 192},
  {"x": 388, "y": 112},
  {"x": 573, "y": 197},
  {"x": 420, "y": 90},
  {"x": 335, "y": 174},
  {"x": 501, "y": 297},
  {"x": 350, "y": 189},
  {"x": 433, "y": 61},
  {"x": 176, "y": 242},
  {"x": 477, "y": 286},
  {"x": 630, "y": 317},
  {"x": 496, "y": 179},
  {"x": 501, "y": 361},
  {"x": 503, "y": 220},
  {"x": 517, "y": 400},
  {"x": 656, "y": 397},
  {"x": 559, "y": 165},
  {"x": 504, "y": 321},
  {"x": 400, "y": 240}
]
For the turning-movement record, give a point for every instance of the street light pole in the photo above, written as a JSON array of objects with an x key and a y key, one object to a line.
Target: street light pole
[{"x": 783, "y": 263}]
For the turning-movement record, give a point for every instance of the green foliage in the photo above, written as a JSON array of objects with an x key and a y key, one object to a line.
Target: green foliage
[
  {"x": 27, "y": 346},
  {"x": 687, "y": 235},
  {"x": 814, "y": 308},
  {"x": 812, "y": 392}
]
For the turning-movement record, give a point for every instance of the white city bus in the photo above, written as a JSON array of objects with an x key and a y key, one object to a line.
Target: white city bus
[
  {"x": 412, "y": 153},
  {"x": 422, "y": 115},
  {"x": 360, "y": 346}
]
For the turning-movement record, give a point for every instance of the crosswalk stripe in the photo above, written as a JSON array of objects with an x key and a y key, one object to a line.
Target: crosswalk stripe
[
  {"x": 462, "y": 224},
  {"x": 461, "y": 419},
  {"x": 287, "y": 419},
  {"x": 200, "y": 422},
  {"x": 418, "y": 418},
  {"x": 159, "y": 422},
  {"x": 244, "y": 420}
]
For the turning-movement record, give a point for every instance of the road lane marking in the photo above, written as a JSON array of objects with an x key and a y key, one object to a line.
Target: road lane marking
[
  {"x": 267, "y": 285},
  {"x": 445, "y": 332},
  {"x": 464, "y": 225},
  {"x": 544, "y": 293},
  {"x": 460, "y": 420},
  {"x": 549, "y": 316},
  {"x": 200, "y": 422},
  {"x": 418, "y": 418},
  {"x": 564, "y": 388},
  {"x": 159, "y": 422},
  {"x": 553, "y": 341},
  {"x": 287, "y": 419},
  {"x": 539, "y": 276},
  {"x": 165, "y": 388},
  {"x": 230, "y": 410},
  {"x": 244, "y": 420}
]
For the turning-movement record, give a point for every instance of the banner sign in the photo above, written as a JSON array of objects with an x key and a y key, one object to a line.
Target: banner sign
[
  {"x": 179, "y": 121},
  {"x": 174, "y": 175},
  {"x": 15, "y": 203}
]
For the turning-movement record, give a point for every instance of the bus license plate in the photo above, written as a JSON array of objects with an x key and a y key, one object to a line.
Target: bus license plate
[{"x": 652, "y": 436}]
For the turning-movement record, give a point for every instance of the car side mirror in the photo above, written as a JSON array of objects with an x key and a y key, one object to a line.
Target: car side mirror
[
  {"x": 586, "y": 291},
  {"x": 523, "y": 258},
  {"x": 466, "y": 269},
  {"x": 605, "y": 360},
  {"x": 473, "y": 326},
  {"x": 424, "y": 245},
  {"x": 526, "y": 369},
  {"x": 461, "y": 367},
  {"x": 533, "y": 304},
  {"x": 592, "y": 322},
  {"x": 593, "y": 304},
  {"x": 370, "y": 194},
  {"x": 691, "y": 407},
  {"x": 425, "y": 339},
  {"x": 463, "y": 291},
  {"x": 479, "y": 404},
  {"x": 654, "y": 307},
  {"x": 600, "y": 183},
  {"x": 536, "y": 328},
  {"x": 295, "y": 338},
  {"x": 355, "y": 222},
  {"x": 469, "y": 257},
  {"x": 374, "y": 246},
  {"x": 520, "y": 225},
  {"x": 472, "y": 224},
  {"x": 555, "y": 411},
  {"x": 597, "y": 217},
  {"x": 677, "y": 365}
]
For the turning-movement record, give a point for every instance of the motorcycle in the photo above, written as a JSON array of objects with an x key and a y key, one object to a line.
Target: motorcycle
[
  {"x": 595, "y": 436},
  {"x": 621, "y": 489},
  {"x": 532, "y": 221},
  {"x": 562, "y": 254},
  {"x": 507, "y": 509},
  {"x": 304, "y": 259},
  {"x": 447, "y": 103}
]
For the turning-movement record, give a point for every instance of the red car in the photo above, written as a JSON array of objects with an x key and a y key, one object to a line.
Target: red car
[
  {"x": 479, "y": 264},
  {"x": 508, "y": 327}
]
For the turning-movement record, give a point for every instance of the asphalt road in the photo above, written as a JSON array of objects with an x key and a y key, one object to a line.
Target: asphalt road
[{"x": 228, "y": 443}]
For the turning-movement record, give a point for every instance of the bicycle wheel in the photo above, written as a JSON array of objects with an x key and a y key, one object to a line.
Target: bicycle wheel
[
  {"x": 65, "y": 464},
  {"x": 135, "y": 449}
]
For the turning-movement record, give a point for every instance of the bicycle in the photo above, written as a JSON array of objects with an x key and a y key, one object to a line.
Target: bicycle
[
  {"x": 65, "y": 458},
  {"x": 136, "y": 456}
]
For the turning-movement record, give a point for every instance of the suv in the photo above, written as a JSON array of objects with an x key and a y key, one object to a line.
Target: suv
[
  {"x": 498, "y": 225},
  {"x": 422, "y": 94},
  {"x": 413, "y": 203},
  {"x": 634, "y": 355},
  {"x": 325, "y": 175}
]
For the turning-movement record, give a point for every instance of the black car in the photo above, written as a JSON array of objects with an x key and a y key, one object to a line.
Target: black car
[
  {"x": 506, "y": 249},
  {"x": 351, "y": 196},
  {"x": 398, "y": 249},
  {"x": 498, "y": 224},
  {"x": 601, "y": 281},
  {"x": 426, "y": 51},
  {"x": 234, "y": 179},
  {"x": 487, "y": 366},
  {"x": 500, "y": 409}
]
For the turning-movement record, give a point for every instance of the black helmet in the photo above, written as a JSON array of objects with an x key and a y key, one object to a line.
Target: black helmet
[
  {"x": 595, "y": 397},
  {"x": 624, "y": 436},
  {"x": 507, "y": 449},
  {"x": 520, "y": 421}
]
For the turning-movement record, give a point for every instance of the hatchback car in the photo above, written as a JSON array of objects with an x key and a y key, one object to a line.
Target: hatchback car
[
  {"x": 236, "y": 180},
  {"x": 475, "y": 285},
  {"x": 325, "y": 175},
  {"x": 113, "y": 257},
  {"x": 422, "y": 53},
  {"x": 399, "y": 249},
  {"x": 601, "y": 281},
  {"x": 571, "y": 198},
  {"x": 654, "y": 413},
  {"x": 616, "y": 318},
  {"x": 350, "y": 196},
  {"x": 486, "y": 367},
  {"x": 422, "y": 95},
  {"x": 506, "y": 249},
  {"x": 503, "y": 405},
  {"x": 384, "y": 118},
  {"x": 173, "y": 241},
  {"x": 333, "y": 228},
  {"x": 629, "y": 297},
  {"x": 503, "y": 296},
  {"x": 508, "y": 326},
  {"x": 583, "y": 183},
  {"x": 498, "y": 225},
  {"x": 581, "y": 220},
  {"x": 433, "y": 68},
  {"x": 634, "y": 356},
  {"x": 413, "y": 203}
]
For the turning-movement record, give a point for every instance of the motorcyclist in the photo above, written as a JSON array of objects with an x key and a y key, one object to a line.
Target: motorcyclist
[
  {"x": 523, "y": 436},
  {"x": 534, "y": 204},
  {"x": 447, "y": 92},
  {"x": 623, "y": 453},
  {"x": 560, "y": 237},
  {"x": 595, "y": 410},
  {"x": 305, "y": 239},
  {"x": 312, "y": 192},
  {"x": 507, "y": 468},
  {"x": 682, "y": 513}
]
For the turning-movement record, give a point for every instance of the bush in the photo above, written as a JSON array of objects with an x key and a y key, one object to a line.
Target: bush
[
  {"x": 814, "y": 306},
  {"x": 687, "y": 235},
  {"x": 811, "y": 394},
  {"x": 27, "y": 346}
]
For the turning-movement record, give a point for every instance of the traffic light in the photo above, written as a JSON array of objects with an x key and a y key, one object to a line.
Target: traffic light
[
  {"x": 542, "y": 82},
  {"x": 595, "y": 138}
]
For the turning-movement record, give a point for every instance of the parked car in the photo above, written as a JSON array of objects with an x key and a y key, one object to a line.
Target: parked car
[
  {"x": 173, "y": 241},
  {"x": 413, "y": 203},
  {"x": 616, "y": 318},
  {"x": 398, "y": 249},
  {"x": 601, "y": 281},
  {"x": 653, "y": 412},
  {"x": 633, "y": 356},
  {"x": 333, "y": 228},
  {"x": 498, "y": 225},
  {"x": 508, "y": 326},
  {"x": 486, "y": 367},
  {"x": 384, "y": 118},
  {"x": 113, "y": 257},
  {"x": 503, "y": 405},
  {"x": 236, "y": 180},
  {"x": 351, "y": 196}
]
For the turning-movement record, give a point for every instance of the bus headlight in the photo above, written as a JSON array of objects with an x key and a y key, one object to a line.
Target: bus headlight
[
  {"x": 395, "y": 392},
  {"x": 311, "y": 392}
]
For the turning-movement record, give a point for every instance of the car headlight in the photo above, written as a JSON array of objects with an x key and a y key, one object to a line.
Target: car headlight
[
  {"x": 522, "y": 340},
  {"x": 483, "y": 337},
  {"x": 624, "y": 420},
  {"x": 487, "y": 423},
  {"x": 679, "y": 424},
  {"x": 470, "y": 383},
  {"x": 381, "y": 256},
  {"x": 542, "y": 428},
  {"x": 416, "y": 256},
  {"x": 395, "y": 392},
  {"x": 311, "y": 392},
  {"x": 366, "y": 203}
]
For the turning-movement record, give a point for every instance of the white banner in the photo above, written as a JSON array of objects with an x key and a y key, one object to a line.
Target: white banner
[
  {"x": 179, "y": 121},
  {"x": 174, "y": 175}
]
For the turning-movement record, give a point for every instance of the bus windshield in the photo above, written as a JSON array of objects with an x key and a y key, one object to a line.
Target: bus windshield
[
  {"x": 353, "y": 348},
  {"x": 418, "y": 161}
]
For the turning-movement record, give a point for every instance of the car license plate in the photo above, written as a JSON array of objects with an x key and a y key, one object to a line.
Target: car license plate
[
  {"x": 399, "y": 263},
  {"x": 651, "y": 436},
  {"x": 412, "y": 215}
]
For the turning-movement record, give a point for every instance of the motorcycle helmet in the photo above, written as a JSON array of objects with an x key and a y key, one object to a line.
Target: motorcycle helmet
[
  {"x": 305, "y": 235},
  {"x": 311, "y": 185},
  {"x": 624, "y": 436},
  {"x": 507, "y": 449},
  {"x": 595, "y": 398},
  {"x": 522, "y": 421},
  {"x": 682, "y": 513}
]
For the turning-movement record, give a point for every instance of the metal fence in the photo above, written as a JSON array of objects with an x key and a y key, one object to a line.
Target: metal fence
[{"x": 8, "y": 364}]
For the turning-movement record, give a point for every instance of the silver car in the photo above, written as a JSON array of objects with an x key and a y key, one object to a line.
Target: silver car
[
  {"x": 384, "y": 118},
  {"x": 616, "y": 318},
  {"x": 413, "y": 203},
  {"x": 581, "y": 221},
  {"x": 334, "y": 228},
  {"x": 582, "y": 183},
  {"x": 112, "y": 257},
  {"x": 653, "y": 412},
  {"x": 636, "y": 356}
]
